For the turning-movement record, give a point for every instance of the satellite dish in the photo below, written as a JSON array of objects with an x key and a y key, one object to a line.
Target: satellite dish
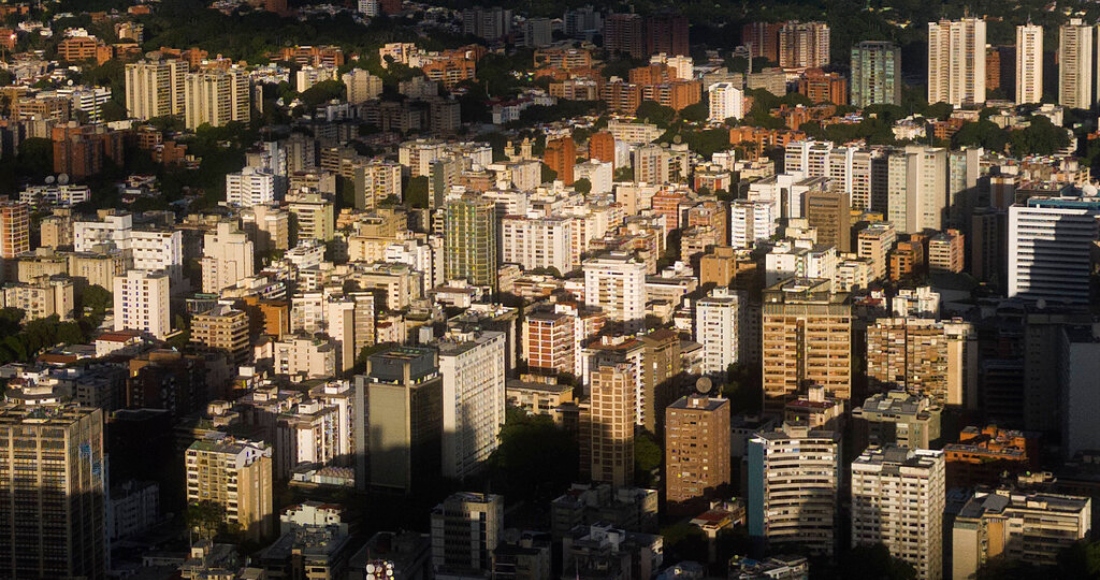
[
  {"x": 703, "y": 386},
  {"x": 63, "y": 179},
  {"x": 70, "y": 82},
  {"x": 50, "y": 179}
]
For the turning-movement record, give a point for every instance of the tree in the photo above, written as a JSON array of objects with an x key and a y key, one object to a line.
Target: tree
[
  {"x": 206, "y": 518},
  {"x": 322, "y": 93},
  {"x": 583, "y": 186},
  {"x": 535, "y": 460},
  {"x": 654, "y": 112},
  {"x": 548, "y": 174},
  {"x": 696, "y": 113},
  {"x": 416, "y": 192},
  {"x": 647, "y": 457},
  {"x": 36, "y": 156}
]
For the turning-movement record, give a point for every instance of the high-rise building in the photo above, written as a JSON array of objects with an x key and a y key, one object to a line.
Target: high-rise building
[
  {"x": 898, "y": 418},
  {"x": 470, "y": 245},
  {"x": 1016, "y": 526},
  {"x": 926, "y": 357},
  {"x": 1049, "y": 244},
  {"x": 141, "y": 302},
  {"x": 601, "y": 147},
  {"x": 227, "y": 258},
  {"x": 488, "y": 23},
  {"x": 15, "y": 236},
  {"x": 560, "y": 156},
  {"x": 54, "y": 485},
  {"x": 876, "y": 74},
  {"x": 612, "y": 419},
  {"x": 793, "y": 478},
  {"x": 830, "y": 215},
  {"x": 236, "y": 476},
  {"x": 898, "y": 498},
  {"x": 625, "y": 33},
  {"x": 1029, "y": 63},
  {"x": 155, "y": 89},
  {"x": 361, "y": 86},
  {"x": 545, "y": 242},
  {"x": 917, "y": 188},
  {"x": 1076, "y": 53},
  {"x": 472, "y": 366},
  {"x": 223, "y": 328},
  {"x": 615, "y": 282},
  {"x": 762, "y": 38},
  {"x": 722, "y": 327},
  {"x": 313, "y": 214},
  {"x": 403, "y": 395},
  {"x": 806, "y": 333},
  {"x": 874, "y": 243},
  {"x": 946, "y": 253},
  {"x": 751, "y": 221},
  {"x": 549, "y": 342},
  {"x": 804, "y": 45},
  {"x": 726, "y": 101},
  {"x": 216, "y": 98},
  {"x": 697, "y": 452},
  {"x": 466, "y": 529},
  {"x": 956, "y": 69},
  {"x": 667, "y": 33},
  {"x": 250, "y": 187}
]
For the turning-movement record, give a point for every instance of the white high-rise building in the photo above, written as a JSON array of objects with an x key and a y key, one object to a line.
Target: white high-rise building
[
  {"x": 369, "y": 7},
  {"x": 1029, "y": 63},
  {"x": 615, "y": 282},
  {"x": 793, "y": 478},
  {"x": 158, "y": 249},
  {"x": 250, "y": 187},
  {"x": 472, "y": 366},
  {"x": 751, "y": 221},
  {"x": 917, "y": 188},
  {"x": 726, "y": 101},
  {"x": 898, "y": 498},
  {"x": 720, "y": 326},
  {"x": 228, "y": 258},
  {"x": 1075, "y": 68},
  {"x": 1050, "y": 241},
  {"x": 155, "y": 89},
  {"x": 361, "y": 86},
  {"x": 810, "y": 158},
  {"x": 537, "y": 243},
  {"x": 956, "y": 65},
  {"x": 141, "y": 302}
]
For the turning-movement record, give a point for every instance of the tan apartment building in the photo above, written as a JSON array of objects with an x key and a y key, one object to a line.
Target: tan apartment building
[
  {"x": 807, "y": 332},
  {"x": 236, "y": 475},
  {"x": 924, "y": 356},
  {"x": 697, "y": 451},
  {"x": 223, "y": 328}
]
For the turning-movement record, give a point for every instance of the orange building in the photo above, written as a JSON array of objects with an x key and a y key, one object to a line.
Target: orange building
[
  {"x": 549, "y": 342},
  {"x": 981, "y": 455},
  {"x": 8, "y": 38},
  {"x": 80, "y": 150},
  {"x": 763, "y": 138},
  {"x": 621, "y": 97},
  {"x": 82, "y": 48},
  {"x": 763, "y": 37},
  {"x": 907, "y": 258},
  {"x": 668, "y": 204},
  {"x": 15, "y": 229},
  {"x": 565, "y": 59},
  {"x": 650, "y": 74},
  {"x": 601, "y": 147},
  {"x": 314, "y": 55},
  {"x": 451, "y": 70},
  {"x": 992, "y": 68},
  {"x": 947, "y": 252},
  {"x": 561, "y": 156},
  {"x": 676, "y": 94},
  {"x": 822, "y": 87}
]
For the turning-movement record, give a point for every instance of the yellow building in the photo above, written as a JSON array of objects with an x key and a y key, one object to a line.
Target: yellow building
[{"x": 236, "y": 475}]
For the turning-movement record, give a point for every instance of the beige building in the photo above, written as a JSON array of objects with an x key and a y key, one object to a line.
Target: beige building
[
  {"x": 268, "y": 227},
  {"x": 362, "y": 86},
  {"x": 898, "y": 498},
  {"x": 807, "y": 334},
  {"x": 537, "y": 395},
  {"x": 43, "y": 297},
  {"x": 1016, "y": 526},
  {"x": 57, "y": 229},
  {"x": 236, "y": 475},
  {"x": 155, "y": 89},
  {"x": 306, "y": 357},
  {"x": 947, "y": 252},
  {"x": 56, "y": 530},
  {"x": 874, "y": 244},
  {"x": 227, "y": 258},
  {"x": 223, "y": 328},
  {"x": 697, "y": 452},
  {"x": 466, "y": 529},
  {"x": 141, "y": 302},
  {"x": 612, "y": 419},
  {"x": 312, "y": 214},
  {"x": 98, "y": 269},
  {"x": 44, "y": 262},
  {"x": 216, "y": 98},
  {"x": 926, "y": 357}
]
